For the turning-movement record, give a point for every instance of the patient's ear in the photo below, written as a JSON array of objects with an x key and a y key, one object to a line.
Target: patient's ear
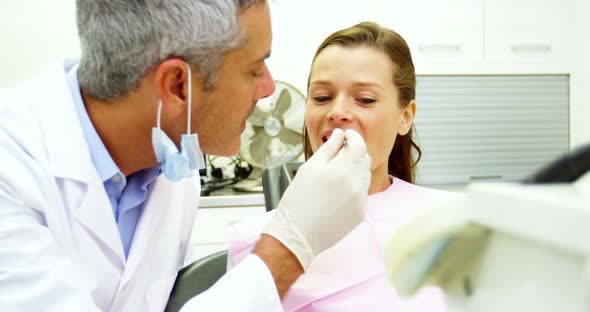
[{"x": 407, "y": 118}]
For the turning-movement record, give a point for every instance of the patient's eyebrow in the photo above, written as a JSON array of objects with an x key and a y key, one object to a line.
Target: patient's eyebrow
[
  {"x": 355, "y": 84},
  {"x": 321, "y": 82},
  {"x": 367, "y": 84}
]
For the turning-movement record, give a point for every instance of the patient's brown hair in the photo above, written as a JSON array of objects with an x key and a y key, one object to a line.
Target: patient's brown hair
[{"x": 401, "y": 162}]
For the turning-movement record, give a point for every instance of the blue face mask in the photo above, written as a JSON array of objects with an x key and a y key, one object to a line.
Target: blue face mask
[{"x": 174, "y": 164}]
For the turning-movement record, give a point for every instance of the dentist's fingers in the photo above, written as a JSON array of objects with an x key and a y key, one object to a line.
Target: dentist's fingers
[
  {"x": 355, "y": 148},
  {"x": 329, "y": 149}
]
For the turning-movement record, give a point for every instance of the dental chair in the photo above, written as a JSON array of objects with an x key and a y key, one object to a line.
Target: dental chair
[
  {"x": 196, "y": 278},
  {"x": 504, "y": 247},
  {"x": 275, "y": 181}
]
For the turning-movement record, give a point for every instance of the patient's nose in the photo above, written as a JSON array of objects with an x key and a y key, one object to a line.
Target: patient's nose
[{"x": 340, "y": 111}]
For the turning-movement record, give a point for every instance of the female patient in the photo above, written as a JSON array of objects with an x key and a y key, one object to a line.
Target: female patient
[{"x": 362, "y": 78}]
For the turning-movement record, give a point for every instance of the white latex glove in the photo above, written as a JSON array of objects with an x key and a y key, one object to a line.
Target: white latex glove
[{"x": 327, "y": 198}]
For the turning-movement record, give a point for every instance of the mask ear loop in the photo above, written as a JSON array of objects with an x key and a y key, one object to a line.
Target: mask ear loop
[
  {"x": 190, "y": 97},
  {"x": 159, "y": 113}
]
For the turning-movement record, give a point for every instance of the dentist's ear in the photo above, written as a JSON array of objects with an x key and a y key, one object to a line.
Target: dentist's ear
[
  {"x": 171, "y": 80},
  {"x": 407, "y": 118}
]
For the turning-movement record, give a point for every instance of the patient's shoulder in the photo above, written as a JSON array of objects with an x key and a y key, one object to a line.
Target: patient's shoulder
[
  {"x": 408, "y": 193},
  {"x": 402, "y": 200}
]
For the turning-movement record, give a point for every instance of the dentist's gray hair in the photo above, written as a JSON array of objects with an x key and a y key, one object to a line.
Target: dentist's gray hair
[{"x": 122, "y": 40}]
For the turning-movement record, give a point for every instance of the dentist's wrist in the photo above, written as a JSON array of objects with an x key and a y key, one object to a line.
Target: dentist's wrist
[{"x": 282, "y": 263}]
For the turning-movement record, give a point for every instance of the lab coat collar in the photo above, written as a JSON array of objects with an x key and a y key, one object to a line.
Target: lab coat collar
[
  {"x": 67, "y": 149},
  {"x": 69, "y": 157}
]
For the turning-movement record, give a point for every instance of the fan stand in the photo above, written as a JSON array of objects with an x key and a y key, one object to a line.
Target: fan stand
[{"x": 252, "y": 184}]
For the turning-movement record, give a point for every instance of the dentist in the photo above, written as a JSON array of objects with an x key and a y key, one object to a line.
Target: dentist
[{"x": 98, "y": 189}]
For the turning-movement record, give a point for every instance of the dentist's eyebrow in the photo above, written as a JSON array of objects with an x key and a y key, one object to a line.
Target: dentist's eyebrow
[{"x": 261, "y": 59}]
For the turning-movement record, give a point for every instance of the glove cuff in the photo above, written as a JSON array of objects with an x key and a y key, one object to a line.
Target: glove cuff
[{"x": 281, "y": 228}]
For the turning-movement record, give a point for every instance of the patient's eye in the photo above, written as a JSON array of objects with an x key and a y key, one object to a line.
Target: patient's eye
[
  {"x": 321, "y": 99},
  {"x": 366, "y": 100}
]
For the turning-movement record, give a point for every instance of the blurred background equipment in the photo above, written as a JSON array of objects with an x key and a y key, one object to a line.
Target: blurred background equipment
[
  {"x": 568, "y": 168},
  {"x": 273, "y": 134},
  {"x": 504, "y": 247}
]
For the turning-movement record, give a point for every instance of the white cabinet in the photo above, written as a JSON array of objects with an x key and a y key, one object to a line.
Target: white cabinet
[
  {"x": 211, "y": 221},
  {"x": 435, "y": 30},
  {"x": 552, "y": 51},
  {"x": 445, "y": 46},
  {"x": 445, "y": 36},
  {"x": 215, "y": 213},
  {"x": 528, "y": 15},
  {"x": 484, "y": 36},
  {"x": 530, "y": 32},
  {"x": 408, "y": 17}
]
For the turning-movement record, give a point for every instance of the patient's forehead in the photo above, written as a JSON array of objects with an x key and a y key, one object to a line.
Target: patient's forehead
[{"x": 352, "y": 64}]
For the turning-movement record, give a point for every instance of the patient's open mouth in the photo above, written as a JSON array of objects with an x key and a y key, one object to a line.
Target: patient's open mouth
[{"x": 326, "y": 135}]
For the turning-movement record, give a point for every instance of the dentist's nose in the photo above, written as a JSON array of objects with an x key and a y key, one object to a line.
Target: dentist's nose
[{"x": 266, "y": 86}]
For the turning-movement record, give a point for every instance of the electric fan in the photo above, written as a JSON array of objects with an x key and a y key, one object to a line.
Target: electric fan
[{"x": 273, "y": 134}]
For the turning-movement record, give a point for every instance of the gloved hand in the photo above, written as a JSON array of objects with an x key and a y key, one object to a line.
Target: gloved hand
[{"x": 327, "y": 198}]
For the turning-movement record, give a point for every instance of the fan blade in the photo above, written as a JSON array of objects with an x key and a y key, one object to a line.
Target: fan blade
[
  {"x": 293, "y": 118},
  {"x": 258, "y": 131},
  {"x": 258, "y": 117},
  {"x": 258, "y": 148},
  {"x": 283, "y": 103},
  {"x": 290, "y": 137}
]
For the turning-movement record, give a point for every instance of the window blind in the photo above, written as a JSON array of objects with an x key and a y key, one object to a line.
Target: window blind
[{"x": 489, "y": 128}]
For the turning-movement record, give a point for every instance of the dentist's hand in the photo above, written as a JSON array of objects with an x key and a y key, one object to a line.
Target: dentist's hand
[{"x": 327, "y": 198}]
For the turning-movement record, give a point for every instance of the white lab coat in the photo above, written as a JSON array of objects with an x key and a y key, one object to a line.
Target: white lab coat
[{"x": 60, "y": 248}]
